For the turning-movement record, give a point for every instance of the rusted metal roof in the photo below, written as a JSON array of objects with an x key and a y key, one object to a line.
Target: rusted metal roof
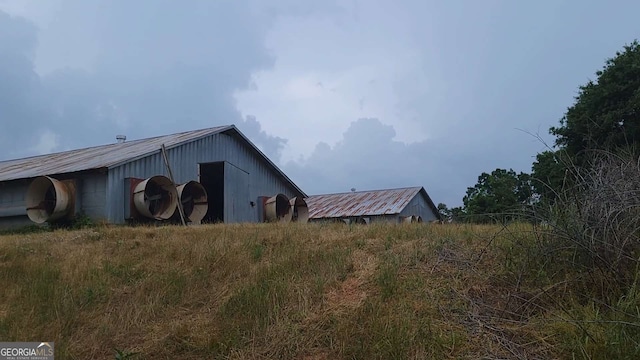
[
  {"x": 97, "y": 157},
  {"x": 361, "y": 203}
]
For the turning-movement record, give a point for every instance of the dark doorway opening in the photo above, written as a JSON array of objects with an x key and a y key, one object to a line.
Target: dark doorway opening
[{"x": 212, "y": 178}]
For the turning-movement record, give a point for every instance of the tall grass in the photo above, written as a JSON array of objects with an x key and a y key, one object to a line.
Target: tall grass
[
  {"x": 583, "y": 256},
  {"x": 306, "y": 291},
  {"x": 251, "y": 291}
]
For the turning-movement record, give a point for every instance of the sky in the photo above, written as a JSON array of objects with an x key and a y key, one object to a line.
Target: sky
[{"x": 340, "y": 94}]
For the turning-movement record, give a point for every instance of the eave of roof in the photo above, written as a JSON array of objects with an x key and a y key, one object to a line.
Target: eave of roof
[
  {"x": 266, "y": 158},
  {"x": 113, "y": 155},
  {"x": 96, "y": 157}
]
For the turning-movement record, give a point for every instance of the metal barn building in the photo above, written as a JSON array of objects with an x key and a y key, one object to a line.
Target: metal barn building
[
  {"x": 105, "y": 182},
  {"x": 393, "y": 205}
]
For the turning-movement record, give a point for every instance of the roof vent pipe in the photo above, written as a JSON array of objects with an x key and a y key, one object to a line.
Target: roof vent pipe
[{"x": 121, "y": 138}]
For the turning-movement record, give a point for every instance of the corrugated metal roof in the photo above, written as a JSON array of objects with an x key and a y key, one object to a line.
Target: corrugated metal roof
[
  {"x": 97, "y": 157},
  {"x": 361, "y": 203}
]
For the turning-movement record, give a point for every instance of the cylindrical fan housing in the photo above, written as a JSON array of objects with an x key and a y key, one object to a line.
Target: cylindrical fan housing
[
  {"x": 48, "y": 200},
  {"x": 156, "y": 198},
  {"x": 193, "y": 197},
  {"x": 277, "y": 208},
  {"x": 299, "y": 210}
]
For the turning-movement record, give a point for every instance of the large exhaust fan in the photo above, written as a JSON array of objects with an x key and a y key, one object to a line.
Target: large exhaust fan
[
  {"x": 193, "y": 198},
  {"x": 156, "y": 198},
  {"x": 278, "y": 209},
  {"x": 49, "y": 200},
  {"x": 412, "y": 219},
  {"x": 299, "y": 210}
]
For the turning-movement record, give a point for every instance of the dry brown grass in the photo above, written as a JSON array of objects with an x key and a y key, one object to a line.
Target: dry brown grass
[{"x": 267, "y": 291}]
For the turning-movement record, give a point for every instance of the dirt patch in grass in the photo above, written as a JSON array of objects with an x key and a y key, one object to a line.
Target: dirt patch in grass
[{"x": 352, "y": 292}]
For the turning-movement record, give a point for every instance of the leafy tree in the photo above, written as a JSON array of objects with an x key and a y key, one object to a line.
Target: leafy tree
[
  {"x": 606, "y": 113},
  {"x": 455, "y": 214},
  {"x": 501, "y": 195},
  {"x": 548, "y": 174},
  {"x": 443, "y": 210},
  {"x": 605, "y": 116}
]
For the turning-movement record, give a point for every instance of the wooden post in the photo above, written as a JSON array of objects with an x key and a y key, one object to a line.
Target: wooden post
[{"x": 166, "y": 163}]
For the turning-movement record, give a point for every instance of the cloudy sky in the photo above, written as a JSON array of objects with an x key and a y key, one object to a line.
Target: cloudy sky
[{"x": 340, "y": 94}]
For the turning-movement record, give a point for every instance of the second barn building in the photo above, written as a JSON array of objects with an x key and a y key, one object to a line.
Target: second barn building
[{"x": 411, "y": 204}]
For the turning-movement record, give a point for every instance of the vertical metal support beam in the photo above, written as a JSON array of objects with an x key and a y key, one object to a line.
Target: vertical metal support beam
[{"x": 166, "y": 163}]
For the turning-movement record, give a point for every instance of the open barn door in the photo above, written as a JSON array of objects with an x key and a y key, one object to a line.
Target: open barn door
[
  {"x": 212, "y": 179},
  {"x": 227, "y": 188},
  {"x": 236, "y": 195}
]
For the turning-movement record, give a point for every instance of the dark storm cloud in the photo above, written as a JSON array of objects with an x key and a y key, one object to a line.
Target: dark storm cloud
[
  {"x": 489, "y": 72},
  {"x": 507, "y": 68},
  {"x": 478, "y": 73},
  {"x": 22, "y": 102},
  {"x": 163, "y": 67},
  {"x": 368, "y": 158},
  {"x": 154, "y": 67}
]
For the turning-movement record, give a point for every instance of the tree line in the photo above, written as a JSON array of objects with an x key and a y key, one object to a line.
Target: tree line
[{"x": 605, "y": 117}]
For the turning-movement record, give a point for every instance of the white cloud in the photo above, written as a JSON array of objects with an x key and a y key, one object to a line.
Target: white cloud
[
  {"x": 311, "y": 107},
  {"x": 47, "y": 142},
  {"x": 307, "y": 87},
  {"x": 332, "y": 70}
]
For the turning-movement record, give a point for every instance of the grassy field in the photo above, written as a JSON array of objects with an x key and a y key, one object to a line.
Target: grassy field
[{"x": 264, "y": 291}]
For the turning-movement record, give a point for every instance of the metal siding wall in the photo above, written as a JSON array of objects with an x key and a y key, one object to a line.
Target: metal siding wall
[
  {"x": 15, "y": 222},
  {"x": 237, "y": 195},
  {"x": 13, "y": 211},
  {"x": 93, "y": 196},
  {"x": 384, "y": 219},
  {"x": 419, "y": 206},
  {"x": 12, "y": 195},
  {"x": 184, "y": 162}
]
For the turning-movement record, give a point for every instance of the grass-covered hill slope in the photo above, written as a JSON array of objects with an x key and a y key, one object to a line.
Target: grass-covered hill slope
[{"x": 270, "y": 291}]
